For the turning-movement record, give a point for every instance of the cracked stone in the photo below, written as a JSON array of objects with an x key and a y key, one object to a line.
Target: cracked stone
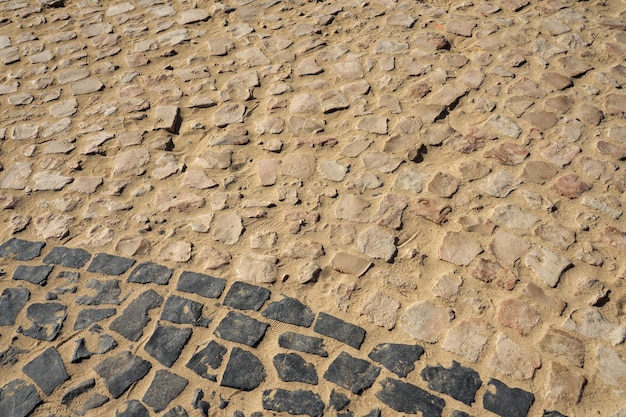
[
  {"x": 166, "y": 344},
  {"x": 209, "y": 356},
  {"x": 459, "y": 382},
  {"x": 121, "y": 371},
  {"x": 302, "y": 343},
  {"x": 513, "y": 360},
  {"x": 18, "y": 399},
  {"x": 289, "y": 310},
  {"x": 353, "y": 374},
  {"x": 133, "y": 319},
  {"x": 181, "y": 310},
  {"x": 397, "y": 358},
  {"x": 150, "y": 272},
  {"x": 505, "y": 401},
  {"x": 546, "y": 264},
  {"x": 291, "y": 367}
]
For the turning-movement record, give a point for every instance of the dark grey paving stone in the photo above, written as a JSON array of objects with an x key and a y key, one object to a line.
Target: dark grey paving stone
[
  {"x": 134, "y": 318},
  {"x": 165, "y": 387},
  {"x": 34, "y": 274},
  {"x": 209, "y": 356},
  {"x": 408, "y": 398},
  {"x": 338, "y": 400},
  {"x": 74, "y": 392},
  {"x": 244, "y": 296},
  {"x": 11, "y": 355},
  {"x": 553, "y": 413},
  {"x": 507, "y": 402},
  {"x": 132, "y": 408},
  {"x": 203, "y": 285},
  {"x": 89, "y": 316},
  {"x": 106, "y": 292},
  {"x": 182, "y": 310},
  {"x": 244, "y": 371},
  {"x": 121, "y": 371},
  {"x": 198, "y": 403},
  {"x": 302, "y": 343},
  {"x": 80, "y": 351},
  {"x": 47, "y": 319},
  {"x": 12, "y": 302},
  {"x": 398, "y": 358},
  {"x": 150, "y": 272},
  {"x": 177, "y": 411},
  {"x": 289, "y": 310},
  {"x": 340, "y": 330},
  {"x": 47, "y": 370},
  {"x": 237, "y": 327},
  {"x": 67, "y": 257},
  {"x": 166, "y": 343},
  {"x": 374, "y": 412},
  {"x": 18, "y": 399},
  {"x": 293, "y": 402},
  {"x": 291, "y": 367},
  {"x": 458, "y": 382},
  {"x": 352, "y": 373},
  {"x": 104, "y": 263},
  {"x": 21, "y": 250},
  {"x": 457, "y": 413},
  {"x": 94, "y": 401}
]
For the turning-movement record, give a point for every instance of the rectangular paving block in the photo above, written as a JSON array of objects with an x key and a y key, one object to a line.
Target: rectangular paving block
[{"x": 340, "y": 330}]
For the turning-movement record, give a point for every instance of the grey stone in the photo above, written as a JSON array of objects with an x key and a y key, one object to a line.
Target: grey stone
[
  {"x": 166, "y": 343},
  {"x": 165, "y": 387},
  {"x": 107, "y": 292},
  {"x": 244, "y": 296},
  {"x": 21, "y": 250},
  {"x": 134, "y": 317},
  {"x": 237, "y": 327},
  {"x": 110, "y": 264},
  {"x": 12, "y": 302},
  {"x": 244, "y": 371},
  {"x": 121, "y": 371},
  {"x": 47, "y": 370},
  {"x": 200, "y": 284},
  {"x": 209, "y": 356},
  {"x": 182, "y": 310},
  {"x": 398, "y": 358},
  {"x": 338, "y": 329},
  {"x": 94, "y": 401},
  {"x": 290, "y": 310},
  {"x": 459, "y": 382},
  {"x": 291, "y": 367},
  {"x": 352, "y": 373},
  {"x": 89, "y": 316},
  {"x": 408, "y": 398},
  {"x": 150, "y": 272},
  {"x": 293, "y": 402},
  {"x": 18, "y": 399},
  {"x": 507, "y": 402},
  {"x": 34, "y": 274},
  {"x": 68, "y": 257},
  {"x": 74, "y": 392},
  {"x": 302, "y": 343},
  {"x": 47, "y": 319},
  {"x": 176, "y": 411},
  {"x": 338, "y": 400},
  {"x": 132, "y": 408}
]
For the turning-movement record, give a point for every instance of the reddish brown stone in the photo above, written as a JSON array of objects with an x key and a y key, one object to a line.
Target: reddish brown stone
[
  {"x": 517, "y": 315},
  {"x": 434, "y": 210},
  {"x": 507, "y": 153},
  {"x": 570, "y": 186}
]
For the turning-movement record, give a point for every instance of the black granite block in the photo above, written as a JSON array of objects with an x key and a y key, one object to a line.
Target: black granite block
[
  {"x": 458, "y": 382},
  {"x": 21, "y": 250},
  {"x": 106, "y": 264},
  {"x": 47, "y": 370},
  {"x": 18, "y": 399},
  {"x": 398, "y": 358},
  {"x": 34, "y": 274},
  {"x": 67, "y": 257},
  {"x": 150, "y": 272},
  {"x": 505, "y": 401},
  {"x": 106, "y": 292},
  {"x": 352, "y": 373},
  {"x": 209, "y": 356},
  {"x": 47, "y": 319},
  {"x": 182, "y": 310},
  {"x": 134, "y": 318},
  {"x": 289, "y": 310},
  {"x": 244, "y": 296},
  {"x": 244, "y": 371},
  {"x": 166, "y": 343},
  {"x": 302, "y": 343},
  {"x": 165, "y": 387},
  {"x": 291, "y": 367},
  {"x": 338, "y": 400},
  {"x": 237, "y": 327},
  {"x": 340, "y": 330},
  {"x": 203, "y": 285},
  {"x": 408, "y": 398},
  {"x": 132, "y": 408},
  {"x": 293, "y": 402},
  {"x": 121, "y": 371},
  {"x": 89, "y": 316},
  {"x": 12, "y": 302}
]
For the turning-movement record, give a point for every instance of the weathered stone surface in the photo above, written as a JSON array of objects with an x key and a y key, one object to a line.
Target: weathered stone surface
[
  {"x": 298, "y": 165},
  {"x": 245, "y": 296},
  {"x": 506, "y": 401},
  {"x": 86, "y": 86},
  {"x": 200, "y": 284},
  {"x": 176, "y": 251},
  {"x": 459, "y": 382},
  {"x": 33, "y": 274},
  {"x": 302, "y": 343},
  {"x": 513, "y": 360},
  {"x": 408, "y": 398},
  {"x": 564, "y": 387},
  {"x": 104, "y": 263},
  {"x": 377, "y": 243},
  {"x": 11, "y": 303},
  {"x": 21, "y": 250},
  {"x": 570, "y": 186},
  {"x": 227, "y": 228},
  {"x": 89, "y": 316},
  {"x": 425, "y": 321},
  {"x": 182, "y": 310},
  {"x": 211, "y": 356},
  {"x": 289, "y": 310},
  {"x": 381, "y": 310},
  {"x": 350, "y": 264},
  {"x": 352, "y": 207},
  {"x": 131, "y": 162},
  {"x": 499, "y": 184},
  {"x": 228, "y": 114},
  {"x": 611, "y": 368},
  {"x": 106, "y": 292},
  {"x": 150, "y": 272},
  {"x": 291, "y": 367},
  {"x": 468, "y": 338},
  {"x": 163, "y": 389},
  {"x": 398, "y": 358},
  {"x": 18, "y": 399},
  {"x": 237, "y": 327},
  {"x": 590, "y": 323},
  {"x": 244, "y": 371},
  {"x": 255, "y": 267},
  {"x": 508, "y": 248},
  {"x": 351, "y": 373},
  {"x": 47, "y": 319},
  {"x": 547, "y": 265},
  {"x": 121, "y": 371},
  {"x": 459, "y": 248},
  {"x": 517, "y": 315},
  {"x": 131, "y": 322},
  {"x": 47, "y": 370},
  {"x": 68, "y": 257},
  {"x": 293, "y": 402},
  {"x": 338, "y": 329},
  {"x": 166, "y": 343},
  {"x": 16, "y": 177},
  {"x": 373, "y": 124}
]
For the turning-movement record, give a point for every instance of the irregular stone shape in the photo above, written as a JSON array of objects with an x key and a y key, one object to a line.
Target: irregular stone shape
[
  {"x": 177, "y": 411},
  {"x": 47, "y": 319},
  {"x": 52, "y": 225},
  {"x": 237, "y": 327},
  {"x": 11, "y": 303},
  {"x": 564, "y": 387},
  {"x": 377, "y": 243},
  {"x": 292, "y": 368},
  {"x": 21, "y": 250},
  {"x": 459, "y": 249},
  {"x": 89, "y": 316},
  {"x": 228, "y": 227},
  {"x": 373, "y": 124},
  {"x": 182, "y": 310},
  {"x": 107, "y": 292},
  {"x": 338, "y": 329},
  {"x": 546, "y": 264},
  {"x": 468, "y": 338},
  {"x": 539, "y": 172},
  {"x": 68, "y": 257},
  {"x": 33, "y": 274},
  {"x": 200, "y": 284},
  {"x": 353, "y": 374},
  {"x": 512, "y": 359},
  {"x": 163, "y": 389},
  {"x": 166, "y": 343},
  {"x": 244, "y": 296},
  {"x": 133, "y": 319},
  {"x": 517, "y": 315},
  {"x": 228, "y": 114},
  {"x": 425, "y": 321},
  {"x": 508, "y": 248},
  {"x": 505, "y": 401},
  {"x": 169, "y": 199},
  {"x": 513, "y": 217},
  {"x": 499, "y": 184},
  {"x": 408, "y": 398},
  {"x": 132, "y": 408},
  {"x": 16, "y": 177},
  {"x": 149, "y": 272},
  {"x": 570, "y": 186},
  {"x": 72, "y": 393},
  {"x": 176, "y": 251},
  {"x": 289, "y": 310},
  {"x": 298, "y": 402},
  {"x": 338, "y": 400},
  {"x": 590, "y": 323},
  {"x": 563, "y": 347},
  {"x": 244, "y": 371},
  {"x": 121, "y": 371},
  {"x": 303, "y": 343},
  {"x": 398, "y": 358},
  {"x": 352, "y": 207},
  {"x": 209, "y": 356},
  {"x": 299, "y": 165},
  {"x": 458, "y": 382},
  {"x": 50, "y": 181},
  {"x": 350, "y": 264},
  {"x": 47, "y": 370},
  {"x": 104, "y": 263},
  {"x": 434, "y": 210},
  {"x": 18, "y": 399},
  {"x": 611, "y": 368}
]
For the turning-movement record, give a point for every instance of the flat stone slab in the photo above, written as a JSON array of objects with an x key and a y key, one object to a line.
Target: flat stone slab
[
  {"x": 505, "y": 401},
  {"x": 47, "y": 319},
  {"x": 237, "y": 327},
  {"x": 34, "y": 274},
  {"x": 21, "y": 250},
  {"x": 106, "y": 264},
  {"x": 121, "y": 371},
  {"x": 289, "y": 310},
  {"x": 182, "y": 310},
  {"x": 458, "y": 382},
  {"x": 299, "y": 402},
  {"x": 47, "y": 370},
  {"x": 352, "y": 373},
  {"x": 244, "y": 296},
  {"x": 209, "y": 356},
  {"x": 291, "y": 367},
  {"x": 166, "y": 343},
  {"x": 18, "y": 399},
  {"x": 133, "y": 319},
  {"x": 68, "y": 257},
  {"x": 163, "y": 389},
  {"x": 89, "y": 316},
  {"x": 303, "y": 343},
  {"x": 12, "y": 302},
  {"x": 203, "y": 285},
  {"x": 244, "y": 371},
  {"x": 408, "y": 398},
  {"x": 132, "y": 408},
  {"x": 398, "y": 358},
  {"x": 340, "y": 330},
  {"x": 150, "y": 272},
  {"x": 106, "y": 292}
]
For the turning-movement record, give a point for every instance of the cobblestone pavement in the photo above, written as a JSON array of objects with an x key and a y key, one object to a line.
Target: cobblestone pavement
[{"x": 266, "y": 207}]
